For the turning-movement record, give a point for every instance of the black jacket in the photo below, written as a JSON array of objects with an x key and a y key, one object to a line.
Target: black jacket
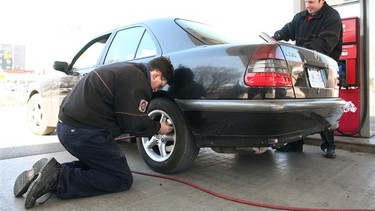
[
  {"x": 322, "y": 33},
  {"x": 112, "y": 97}
]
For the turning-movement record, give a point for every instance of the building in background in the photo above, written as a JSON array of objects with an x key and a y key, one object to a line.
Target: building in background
[
  {"x": 12, "y": 57},
  {"x": 14, "y": 78}
]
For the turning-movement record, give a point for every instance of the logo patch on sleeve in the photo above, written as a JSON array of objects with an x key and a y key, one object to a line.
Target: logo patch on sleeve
[{"x": 143, "y": 106}]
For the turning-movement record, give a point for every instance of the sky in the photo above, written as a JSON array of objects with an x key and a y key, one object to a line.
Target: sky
[{"x": 56, "y": 29}]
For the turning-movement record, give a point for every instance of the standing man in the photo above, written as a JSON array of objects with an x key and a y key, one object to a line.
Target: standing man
[
  {"x": 106, "y": 103},
  {"x": 319, "y": 28}
]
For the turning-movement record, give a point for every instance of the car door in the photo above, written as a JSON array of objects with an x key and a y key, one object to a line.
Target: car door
[
  {"x": 122, "y": 45},
  {"x": 84, "y": 62}
]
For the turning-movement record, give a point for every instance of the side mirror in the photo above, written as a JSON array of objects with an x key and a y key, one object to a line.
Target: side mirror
[{"x": 61, "y": 66}]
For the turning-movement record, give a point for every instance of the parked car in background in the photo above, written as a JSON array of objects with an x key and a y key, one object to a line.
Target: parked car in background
[{"x": 228, "y": 96}]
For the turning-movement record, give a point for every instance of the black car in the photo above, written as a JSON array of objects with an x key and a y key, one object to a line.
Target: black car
[{"x": 228, "y": 96}]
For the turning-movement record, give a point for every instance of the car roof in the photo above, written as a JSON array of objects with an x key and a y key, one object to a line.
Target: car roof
[{"x": 168, "y": 33}]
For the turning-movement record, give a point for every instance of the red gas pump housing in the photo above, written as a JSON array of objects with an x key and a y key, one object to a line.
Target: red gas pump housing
[{"x": 349, "y": 124}]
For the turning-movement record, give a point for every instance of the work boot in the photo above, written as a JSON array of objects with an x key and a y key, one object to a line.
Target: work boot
[
  {"x": 296, "y": 146},
  {"x": 329, "y": 153},
  {"x": 45, "y": 182},
  {"x": 25, "y": 179}
]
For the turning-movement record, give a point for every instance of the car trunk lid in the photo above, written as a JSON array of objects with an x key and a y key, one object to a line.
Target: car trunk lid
[{"x": 300, "y": 72}]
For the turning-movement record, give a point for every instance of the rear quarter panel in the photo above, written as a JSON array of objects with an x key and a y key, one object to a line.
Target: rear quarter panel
[{"x": 219, "y": 70}]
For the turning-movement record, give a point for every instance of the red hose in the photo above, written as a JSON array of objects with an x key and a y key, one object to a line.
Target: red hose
[{"x": 240, "y": 200}]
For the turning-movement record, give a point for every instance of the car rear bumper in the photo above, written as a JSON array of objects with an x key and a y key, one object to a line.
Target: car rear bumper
[
  {"x": 259, "y": 122},
  {"x": 281, "y": 105}
]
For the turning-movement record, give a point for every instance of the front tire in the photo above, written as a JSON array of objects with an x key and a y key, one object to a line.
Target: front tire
[
  {"x": 169, "y": 153},
  {"x": 37, "y": 117}
]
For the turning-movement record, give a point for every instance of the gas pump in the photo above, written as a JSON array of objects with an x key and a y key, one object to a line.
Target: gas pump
[{"x": 349, "y": 68}]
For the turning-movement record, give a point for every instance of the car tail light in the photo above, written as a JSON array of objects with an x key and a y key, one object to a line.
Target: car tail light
[{"x": 267, "y": 68}]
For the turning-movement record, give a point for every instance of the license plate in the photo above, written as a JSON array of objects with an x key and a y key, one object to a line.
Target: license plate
[{"x": 315, "y": 78}]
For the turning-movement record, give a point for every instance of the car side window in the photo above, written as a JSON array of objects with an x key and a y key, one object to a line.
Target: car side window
[
  {"x": 147, "y": 47},
  {"x": 129, "y": 44},
  {"x": 124, "y": 45},
  {"x": 90, "y": 57}
]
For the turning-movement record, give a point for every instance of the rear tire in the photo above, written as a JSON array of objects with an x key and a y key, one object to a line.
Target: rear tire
[{"x": 169, "y": 153}]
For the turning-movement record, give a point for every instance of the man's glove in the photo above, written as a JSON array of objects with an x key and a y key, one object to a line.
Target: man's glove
[{"x": 276, "y": 36}]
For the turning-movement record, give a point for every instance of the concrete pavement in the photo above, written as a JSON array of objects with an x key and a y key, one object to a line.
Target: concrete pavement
[
  {"x": 274, "y": 179},
  {"x": 278, "y": 179}
]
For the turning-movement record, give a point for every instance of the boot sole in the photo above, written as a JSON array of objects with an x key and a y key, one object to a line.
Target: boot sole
[
  {"x": 329, "y": 156},
  {"x": 39, "y": 182},
  {"x": 25, "y": 179}
]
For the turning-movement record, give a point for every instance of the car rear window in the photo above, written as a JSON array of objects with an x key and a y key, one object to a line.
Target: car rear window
[{"x": 203, "y": 32}]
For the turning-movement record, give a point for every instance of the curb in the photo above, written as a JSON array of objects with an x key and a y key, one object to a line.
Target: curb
[{"x": 345, "y": 143}]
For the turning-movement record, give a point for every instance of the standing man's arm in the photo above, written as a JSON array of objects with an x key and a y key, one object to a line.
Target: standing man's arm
[{"x": 288, "y": 31}]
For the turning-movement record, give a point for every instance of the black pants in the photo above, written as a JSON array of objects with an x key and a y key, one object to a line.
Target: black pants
[
  {"x": 101, "y": 167},
  {"x": 328, "y": 138}
]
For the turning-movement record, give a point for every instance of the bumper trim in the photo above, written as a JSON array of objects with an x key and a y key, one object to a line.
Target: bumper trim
[{"x": 264, "y": 105}]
